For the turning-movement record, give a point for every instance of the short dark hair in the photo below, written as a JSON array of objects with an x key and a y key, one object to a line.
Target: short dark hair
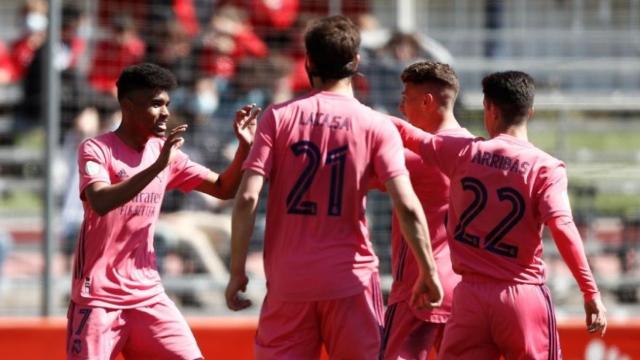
[
  {"x": 145, "y": 76},
  {"x": 424, "y": 72},
  {"x": 332, "y": 45},
  {"x": 512, "y": 92}
]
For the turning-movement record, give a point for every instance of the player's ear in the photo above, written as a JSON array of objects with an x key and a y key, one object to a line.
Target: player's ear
[
  {"x": 531, "y": 112},
  {"x": 428, "y": 99},
  {"x": 125, "y": 103},
  {"x": 308, "y": 65}
]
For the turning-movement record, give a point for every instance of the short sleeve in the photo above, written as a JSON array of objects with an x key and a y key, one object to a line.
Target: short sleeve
[
  {"x": 440, "y": 151},
  {"x": 412, "y": 137},
  {"x": 92, "y": 164},
  {"x": 388, "y": 158},
  {"x": 260, "y": 157},
  {"x": 185, "y": 175},
  {"x": 553, "y": 198}
]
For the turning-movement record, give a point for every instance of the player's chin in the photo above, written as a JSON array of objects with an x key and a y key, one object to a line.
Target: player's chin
[{"x": 159, "y": 132}]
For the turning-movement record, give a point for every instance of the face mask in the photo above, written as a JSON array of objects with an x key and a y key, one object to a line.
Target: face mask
[
  {"x": 35, "y": 22},
  {"x": 205, "y": 103}
]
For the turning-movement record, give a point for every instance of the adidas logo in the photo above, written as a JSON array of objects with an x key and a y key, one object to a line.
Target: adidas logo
[
  {"x": 122, "y": 174},
  {"x": 598, "y": 350}
]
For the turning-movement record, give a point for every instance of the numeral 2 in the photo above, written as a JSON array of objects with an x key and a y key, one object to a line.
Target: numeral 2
[
  {"x": 493, "y": 240},
  {"x": 336, "y": 158}
]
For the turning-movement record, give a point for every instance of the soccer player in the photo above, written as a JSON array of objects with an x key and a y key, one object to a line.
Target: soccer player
[
  {"x": 319, "y": 153},
  {"x": 118, "y": 304},
  {"x": 503, "y": 190},
  {"x": 430, "y": 91}
]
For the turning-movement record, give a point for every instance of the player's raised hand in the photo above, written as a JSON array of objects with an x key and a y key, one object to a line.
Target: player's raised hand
[
  {"x": 427, "y": 292},
  {"x": 237, "y": 284},
  {"x": 173, "y": 142},
  {"x": 245, "y": 123},
  {"x": 596, "y": 316}
]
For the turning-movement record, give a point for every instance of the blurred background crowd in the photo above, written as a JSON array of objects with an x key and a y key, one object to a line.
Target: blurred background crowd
[{"x": 227, "y": 53}]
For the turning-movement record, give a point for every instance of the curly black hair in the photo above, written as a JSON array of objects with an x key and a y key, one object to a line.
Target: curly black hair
[{"x": 145, "y": 76}]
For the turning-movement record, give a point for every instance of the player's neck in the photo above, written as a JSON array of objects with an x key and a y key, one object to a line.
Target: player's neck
[
  {"x": 342, "y": 86},
  {"x": 130, "y": 137},
  {"x": 445, "y": 122},
  {"x": 439, "y": 121},
  {"x": 519, "y": 132}
]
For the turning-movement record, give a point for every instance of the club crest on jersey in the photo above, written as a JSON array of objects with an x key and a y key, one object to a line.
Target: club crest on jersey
[
  {"x": 91, "y": 168},
  {"x": 122, "y": 174}
]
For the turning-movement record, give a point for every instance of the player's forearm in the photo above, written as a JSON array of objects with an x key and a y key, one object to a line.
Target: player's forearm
[
  {"x": 105, "y": 198},
  {"x": 242, "y": 223},
  {"x": 415, "y": 231},
  {"x": 569, "y": 243},
  {"x": 228, "y": 182}
]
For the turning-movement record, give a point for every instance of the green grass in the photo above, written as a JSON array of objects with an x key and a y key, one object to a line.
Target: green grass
[{"x": 20, "y": 202}]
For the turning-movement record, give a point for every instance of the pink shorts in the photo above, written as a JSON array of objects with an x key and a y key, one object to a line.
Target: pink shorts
[
  {"x": 349, "y": 327},
  {"x": 491, "y": 319},
  {"x": 157, "y": 331},
  {"x": 407, "y": 336}
]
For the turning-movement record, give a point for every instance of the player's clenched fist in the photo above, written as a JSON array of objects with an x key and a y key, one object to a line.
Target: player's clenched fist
[{"x": 237, "y": 284}]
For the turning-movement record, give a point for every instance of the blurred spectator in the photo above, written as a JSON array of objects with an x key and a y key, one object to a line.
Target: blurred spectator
[
  {"x": 384, "y": 68},
  {"x": 270, "y": 19},
  {"x": 34, "y": 34},
  {"x": 170, "y": 46},
  {"x": 258, "y": 81},
  {"x": 372, "y": 35},
  {"x": 86, "y": 125},
  {"x": 268, "y": 15},
  {"x": 298, "y": 78},
  {"x": 6, "y": 66},
  {"x": 145, "y": 12},
  {"x": 115, "y": 52},
  {"x": 196, "y": 97},
  {"x": 351, "y": 9},
  {"x": 229, "y": 39},
  {"x": 73, "y": 91}
]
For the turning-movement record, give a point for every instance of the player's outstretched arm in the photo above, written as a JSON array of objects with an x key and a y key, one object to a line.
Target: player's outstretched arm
[
  {"x": 224, "y": 185},
  {"x": 427, "y": 292},
  {"x": 412, "y": 137},
  {"x": 242, "y": 223},
  {"x": 569, "y": 243},
  {"x": 104, "y": 197}
]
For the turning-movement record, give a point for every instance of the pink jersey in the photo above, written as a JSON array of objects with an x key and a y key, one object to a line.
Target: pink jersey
[
  {"x": 319, "y": 153},
  {"x": 432, "y": 188},
  {"x": 502, "y": 192},
  {"x": 115, "y": 265}
]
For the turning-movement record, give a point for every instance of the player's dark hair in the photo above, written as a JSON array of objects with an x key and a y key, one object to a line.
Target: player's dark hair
[
  {"x": 512, "y": 92},
  {"x": 145, "y": 76},
  {"x": 425, "y": 72},
  {"x": 332, "y": 45}
]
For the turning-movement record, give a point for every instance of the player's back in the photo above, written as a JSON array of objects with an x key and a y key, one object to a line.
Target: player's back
[
  {"x": 325, "y": 149},
  {"x": 502, "y": 192}
]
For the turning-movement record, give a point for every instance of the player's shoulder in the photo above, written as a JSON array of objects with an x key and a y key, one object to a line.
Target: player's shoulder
[
  {"x": 100, "y": 141},
  {"x": 455, "y": 139},
  {"x": 458, "y": 132},
  {"x": 544, "y": 158},
  {"x": 297, "y": 101}
]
